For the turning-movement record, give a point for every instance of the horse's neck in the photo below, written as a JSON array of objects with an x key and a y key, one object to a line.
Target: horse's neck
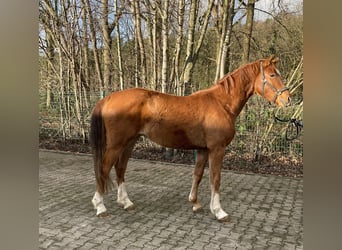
[{"x": 237, "y": 93}]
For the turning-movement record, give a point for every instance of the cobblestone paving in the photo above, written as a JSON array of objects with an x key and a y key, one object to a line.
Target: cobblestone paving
[{"x": 266, "y": 211}]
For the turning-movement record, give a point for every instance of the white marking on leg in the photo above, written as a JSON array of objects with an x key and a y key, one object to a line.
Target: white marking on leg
[
  {"x": 123, "y": 196},
  {"x": 98, "y": 203},
  {"x": 191, "y": 195},
  {"x": 215, "y": 207},
  {"x": 193, "y": 198}
]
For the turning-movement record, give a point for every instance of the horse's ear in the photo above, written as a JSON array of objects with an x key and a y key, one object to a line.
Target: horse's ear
[{"x": 273, "y": 59}]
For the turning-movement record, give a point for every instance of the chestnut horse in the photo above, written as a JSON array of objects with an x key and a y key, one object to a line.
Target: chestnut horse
[{"x": 204, "y": 121}]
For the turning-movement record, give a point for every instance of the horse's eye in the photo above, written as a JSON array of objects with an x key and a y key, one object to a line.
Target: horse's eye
[{"x": 272, "y": 75}]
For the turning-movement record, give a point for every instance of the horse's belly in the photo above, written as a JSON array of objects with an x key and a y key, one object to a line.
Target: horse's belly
[{"x": 173, "y": 137}]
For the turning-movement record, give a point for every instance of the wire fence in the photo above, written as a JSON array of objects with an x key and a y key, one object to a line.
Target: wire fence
[{"x": 258, "y": 134}]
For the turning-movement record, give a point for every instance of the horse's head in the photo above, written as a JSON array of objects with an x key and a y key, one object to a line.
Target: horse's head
[{"x": 270, "y": 85}]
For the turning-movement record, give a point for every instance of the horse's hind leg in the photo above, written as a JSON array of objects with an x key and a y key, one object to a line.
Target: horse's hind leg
[
  {"x": 120, "y": 168},
  {"x": 201, "y": 160},
  {"x": 110, "y": 158}
]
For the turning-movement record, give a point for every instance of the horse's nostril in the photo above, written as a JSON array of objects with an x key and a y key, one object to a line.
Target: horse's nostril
[{"x": 288, "y": 101}]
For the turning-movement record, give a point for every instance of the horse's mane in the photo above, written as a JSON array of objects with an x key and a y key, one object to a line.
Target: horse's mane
[
  {"x": 242, "y": 74},
  {"x": 245, "y": 72}
]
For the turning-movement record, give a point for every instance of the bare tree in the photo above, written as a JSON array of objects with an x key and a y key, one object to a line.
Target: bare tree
[
  {"x": 50, "y": 55},
  {"x": 149, "y": 30},
  {"x": 86, "y": 4},
  {"x": 65, "y": 27},
  {"x": 85, "y": 58},
  {"x": 51, "y": 22},
  {"x": 177, "y": 53},
  {"x": 48, "y": 47},
  {"x": 193, "y": 49},
  {"x": 248, "y": 30},
  {"x": 107, "y": 29},
  {"x": 118, "y": 44},
  {"x": 140, "y": 45},
  {"x": 107, "y": 45},
  {"x": 155, "y": 31},
  {"x": 164, "y": 15},
  {"x": 224, "y": 12}
]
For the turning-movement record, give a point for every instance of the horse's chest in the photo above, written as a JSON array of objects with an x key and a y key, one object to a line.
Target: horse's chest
[{"x": 220, "y": 132}]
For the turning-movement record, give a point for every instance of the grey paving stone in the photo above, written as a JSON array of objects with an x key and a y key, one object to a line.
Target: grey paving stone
[{"x": 266, "y": 211}]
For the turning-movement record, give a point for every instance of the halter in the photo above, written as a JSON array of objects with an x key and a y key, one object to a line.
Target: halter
[{"x": 277, "y": 92}]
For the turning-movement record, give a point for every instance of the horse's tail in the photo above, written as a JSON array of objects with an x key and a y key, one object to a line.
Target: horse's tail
[{"x": 98, "y": 144}]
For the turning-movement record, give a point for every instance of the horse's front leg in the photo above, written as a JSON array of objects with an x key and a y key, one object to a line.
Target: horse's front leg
[
  {"x": 215, "y": 164},
  {"x": 201, "y": 160}
]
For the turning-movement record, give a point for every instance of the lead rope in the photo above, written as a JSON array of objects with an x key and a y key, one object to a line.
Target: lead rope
[{"x": 292, "y": 123}]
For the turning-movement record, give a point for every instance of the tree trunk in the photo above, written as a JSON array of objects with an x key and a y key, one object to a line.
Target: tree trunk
[
  {"x": 86, "y": 82},
  {"x": 155, "y": 47},
  {"x": 224, "y": 38},
  {"x": 136, "y": 62},
  {"x": 149, "y": 30},
  {"x": 190, "y": 48},
  {"x": 62, "y": 104},
  {"x": 76, "y": 88},
  {"x": 191, "y": 52},
  {"x": 95, "y": 51},
  {"x": 164, "y": 45},
  {"x": 141, "y": 63},
  {"x": 248, "y": 31},
  {"x": 118, "y": 44},
  {"x": 107, "y": 44},
  {"x": 50, "y": 54},
  {"x": 181, "y": 8}
]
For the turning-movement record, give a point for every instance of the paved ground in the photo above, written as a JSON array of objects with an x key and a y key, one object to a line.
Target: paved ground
[{"x": 266, "y": 211}]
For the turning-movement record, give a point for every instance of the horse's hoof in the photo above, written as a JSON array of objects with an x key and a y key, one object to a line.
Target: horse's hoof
[
  {"x": 197, "y": 209},
  {"x": 103, "y": 214},
  {"x": 225, "y": 219},
  {"x": 130, "y": 207}
]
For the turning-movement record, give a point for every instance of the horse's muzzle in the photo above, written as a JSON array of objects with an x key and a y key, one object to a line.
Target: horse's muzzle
[{"x": 283, "y": 102}]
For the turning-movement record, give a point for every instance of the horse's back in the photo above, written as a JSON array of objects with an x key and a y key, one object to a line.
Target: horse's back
[
  {"x": 171, "y": 121},
  {"x": 124, "y": 102}
]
